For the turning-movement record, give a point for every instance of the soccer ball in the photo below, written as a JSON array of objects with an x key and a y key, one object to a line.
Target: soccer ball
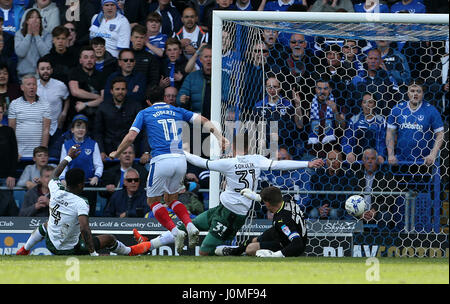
[{"x": 355, "y": 205}]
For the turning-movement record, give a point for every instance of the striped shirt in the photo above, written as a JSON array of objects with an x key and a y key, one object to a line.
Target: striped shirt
[{"x": 29, "y": 123}]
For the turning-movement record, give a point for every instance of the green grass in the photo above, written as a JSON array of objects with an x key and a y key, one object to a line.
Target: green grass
[{"x": 219, "y": 270}]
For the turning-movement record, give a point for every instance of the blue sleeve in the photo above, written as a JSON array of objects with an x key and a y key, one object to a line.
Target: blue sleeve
[
  {"x": 187, "y": 115},
  {"x": 392, "y": 118}
]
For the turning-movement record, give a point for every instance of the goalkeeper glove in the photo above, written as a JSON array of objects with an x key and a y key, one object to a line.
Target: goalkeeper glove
[
  {"x": 251, "y": 195},
  {"x": 265, "y": 253}
]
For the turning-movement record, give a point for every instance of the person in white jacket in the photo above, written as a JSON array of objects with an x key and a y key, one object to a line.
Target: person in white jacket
[{"x": 31, "y": 42}]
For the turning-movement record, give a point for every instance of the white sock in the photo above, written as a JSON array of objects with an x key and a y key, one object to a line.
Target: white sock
[
  {"x": 35, "y": 238},
  {"x": 120, "y": 248}
]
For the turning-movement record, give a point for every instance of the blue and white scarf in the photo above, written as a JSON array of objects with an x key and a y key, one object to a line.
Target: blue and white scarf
[{"x": 318, "y": 123}]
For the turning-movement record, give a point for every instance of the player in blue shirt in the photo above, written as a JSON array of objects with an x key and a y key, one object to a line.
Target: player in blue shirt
[
  {"x": 411, "y": 6},
  {"x": 163, "y": 124},
  {"x": 418, "y": 127}
]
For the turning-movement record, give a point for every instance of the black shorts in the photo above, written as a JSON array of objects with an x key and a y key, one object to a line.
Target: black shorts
[{"x": 269, "y": 239}]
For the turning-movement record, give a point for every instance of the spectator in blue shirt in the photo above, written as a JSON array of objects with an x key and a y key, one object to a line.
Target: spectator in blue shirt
[
  {"x": 371, "y": 6},
  {"x": 156, "y": 40},
  {"x": 395, "y": 62},
  {"x": 279, "y": 5},
  {"x": 411, "y": 6},
  {"x": 12, "y": 16},
  {"x": 242, "y": 5}
]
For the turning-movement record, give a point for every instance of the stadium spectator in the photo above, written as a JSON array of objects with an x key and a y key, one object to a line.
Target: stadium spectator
[
  {"x": 195, "y": 92},
  {"x": 12, "y": 16},
  {"x": 365, "y": 130},
  {"x": 130, "y": 201},
  {"x": 351, "y": 61},
  {"x": 135, "y": 10},
  {"x": 417, "y": 127},
  {"x": 146, "y": 63},
  {"x": 30, "y": 118},
  {"x": 8, "y": 206},
  {"x": 89, "y": 160},
  {"x": 436, "y": 6},
  {"x": 286, "y": 238},
  {"x": 411, "y": 6},
  {"x": 31, "y": 43},
  {"x": 277, "y": 51},
  {"x": 167, "y": 165},
  {"x": 72, "y": 39},
  {"x": 275, "y": 108},
  {"x": 242, "y": 5},
  {"x": 172, "y": 69},
  {"x": 8, "y": 153},
  {"x": 56, "y": 94},
  {"x": 371, "y": 6},
  {"x": 136, "y": 82},
  {"x": 326, "y": 119},
  {"x": 170, "y": 95},
  {"x": 191, "y": 35},
  {"x": 382, "y": 210},
  {"x": 61, "y": 57},
  {"x": 189, "y": 196},
  {"x": 221, "y": 5},
  {"x": 375, "y": 79},
  {"x": 49, "y": 12},
  {"x": 30, "y": 175},
  {"x": 331, "y": 179},
  {"x": 113, "y": 26},
  {"x": 156, "y": 41},
  {"x": 36, "y": 199},
  {"x": 201, "y": 6},
  {"x": 9, "y": 90},
  {"x": 170, "y": 16},
  {"x": 394, "y": 62},
  {"x": 332, "y": 6},
  {"x": 7, "y": 49},
  {"x": 104, "y": 61},
  {"x": 112, "y": 178},
  {"x": 114, "y": 117},
  {"x": 86, "y": 85},
  {"x": 279, "y": 5}
]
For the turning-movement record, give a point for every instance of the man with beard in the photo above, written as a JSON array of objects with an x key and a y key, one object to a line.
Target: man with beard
[
  {"x": 114, "y": 118},
  {"x": 191, "y": 35},
  {"x": 55, "y": 92}
]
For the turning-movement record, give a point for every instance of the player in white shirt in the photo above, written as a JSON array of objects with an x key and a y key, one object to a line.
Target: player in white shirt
[
  {"x": 67, "y": 231},
  {"x": 113, "y": 26},
  {"x": 241, "y": 172}
]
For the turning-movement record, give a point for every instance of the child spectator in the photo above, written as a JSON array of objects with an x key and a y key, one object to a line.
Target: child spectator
[
  {"x": 156, "y": 40},
  {"x": 31, "y": 173},
  {"x": 37, "y": 199}
]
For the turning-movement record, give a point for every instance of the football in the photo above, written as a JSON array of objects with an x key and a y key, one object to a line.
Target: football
[{"x": 355, "y": 205}]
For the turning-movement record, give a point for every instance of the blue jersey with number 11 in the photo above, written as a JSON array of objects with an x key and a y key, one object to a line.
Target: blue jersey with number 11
[{"x": 163, "y": 124}]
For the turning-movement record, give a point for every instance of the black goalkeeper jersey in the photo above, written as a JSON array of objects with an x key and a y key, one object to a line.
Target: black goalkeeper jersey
[{"x": 290, "y": 226}]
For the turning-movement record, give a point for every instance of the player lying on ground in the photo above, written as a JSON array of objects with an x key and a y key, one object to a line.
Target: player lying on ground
[
  {"x": 67, "y": 231},
  {"x": 286, "y": 237},
  {"x": 162, "y": 123},
  {"x": 241, "y": 172}
]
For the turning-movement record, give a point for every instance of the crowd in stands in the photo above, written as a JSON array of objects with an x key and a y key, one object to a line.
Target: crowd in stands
[{"x": 66, "y": 80}]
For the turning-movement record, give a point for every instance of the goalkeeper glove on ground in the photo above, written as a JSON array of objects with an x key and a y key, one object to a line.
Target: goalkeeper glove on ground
[
  {"x": 265, "y": 253},
  {"x": 251, "y": 195}
]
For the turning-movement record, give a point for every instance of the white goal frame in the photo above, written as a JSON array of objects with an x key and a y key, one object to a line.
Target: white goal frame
[{"x": 216, "y": 77}]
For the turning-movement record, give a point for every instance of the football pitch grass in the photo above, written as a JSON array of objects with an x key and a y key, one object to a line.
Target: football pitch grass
[{"x": 220, "y": 270}]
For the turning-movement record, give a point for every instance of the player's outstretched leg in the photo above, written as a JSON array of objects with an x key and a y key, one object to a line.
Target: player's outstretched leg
[
  {"x": 139, "y": 238},
  {"x": 183, "y": 214},
  {"x": 112, "y": 244},
  {"x": 162, "y": 215},
  {"x": 36, "y": 236}
]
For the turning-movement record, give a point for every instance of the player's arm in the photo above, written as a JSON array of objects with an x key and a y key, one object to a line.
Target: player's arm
[
  {"x": 86, "y": 233},
  {"x": 391, "y": 135},
  {"x": 214, "y": 165},
  {"x": 74, "y": 151},
  {"x": 293, "y": 164},
  {"x": 126, "y": 142},
  {"x": 205, "y": 122}
]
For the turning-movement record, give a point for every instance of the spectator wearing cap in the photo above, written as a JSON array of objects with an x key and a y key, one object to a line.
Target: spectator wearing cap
[
  {"x": 89, "y": 160},
  {"x": 113, "y": 26}
]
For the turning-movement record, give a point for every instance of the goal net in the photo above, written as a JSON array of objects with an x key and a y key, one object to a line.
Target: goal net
[{"x": 365, "y": 92}]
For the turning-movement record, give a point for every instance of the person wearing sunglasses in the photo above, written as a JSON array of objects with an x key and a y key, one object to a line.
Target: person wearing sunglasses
[
  {"x": 131, "y": 200},
  {"x": 136, "y": 81}
]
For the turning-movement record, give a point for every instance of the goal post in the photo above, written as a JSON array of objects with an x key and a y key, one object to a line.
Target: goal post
[{"x": 247, "y": 74}]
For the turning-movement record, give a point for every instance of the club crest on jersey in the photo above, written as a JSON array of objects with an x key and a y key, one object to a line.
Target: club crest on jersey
[
  {"x": 88, "y": 151},
  {"x": 112, "y": 27},
  {"x": 420, "y": 117}
]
